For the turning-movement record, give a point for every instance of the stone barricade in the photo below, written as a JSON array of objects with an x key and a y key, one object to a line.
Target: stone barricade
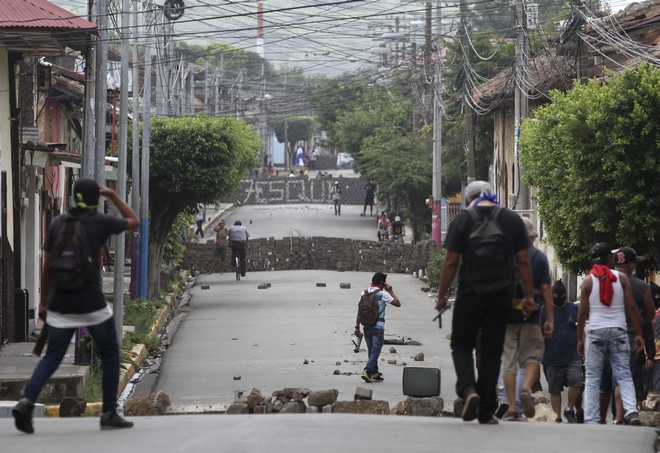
[
  {"x": 299, "y": 253},
  {"x": 301, "y": 189}
]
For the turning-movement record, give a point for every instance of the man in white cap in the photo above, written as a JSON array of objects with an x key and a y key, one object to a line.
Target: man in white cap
[
  {"x": 397, "y": 229},
  {"x": 485, "y": 292},
  {"x": 336, "y": 197},
  {"x": 523, "y": 342}
]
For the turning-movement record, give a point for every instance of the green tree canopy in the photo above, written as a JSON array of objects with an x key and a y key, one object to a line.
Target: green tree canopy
[
  {"x": 594, "y": 155},
  {"x": 194, "y": 159},
  {"x": 300, "y": 128}
]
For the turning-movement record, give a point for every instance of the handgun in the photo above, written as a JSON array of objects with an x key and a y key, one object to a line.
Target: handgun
[{"x": 439, "y": 315}]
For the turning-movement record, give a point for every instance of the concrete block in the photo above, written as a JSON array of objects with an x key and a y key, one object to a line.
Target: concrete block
[
  {"x": 327, "y": 409},
  {"x": 361, "y": 407},
  {"x": 345, "y": 285},
  {"x": 206, "y": 287},
  {"x": 313, "y": 410},
  {"x": 363, "y": 394},
  {"x": 320, "y": 285},
  {"x": 240, "y": 396}
]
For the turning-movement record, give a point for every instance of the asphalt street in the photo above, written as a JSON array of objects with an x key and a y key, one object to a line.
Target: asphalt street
[{"x": 322, "y": 433}]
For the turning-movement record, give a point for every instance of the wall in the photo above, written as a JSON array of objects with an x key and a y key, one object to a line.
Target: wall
[
  {"x": 301, "y": 189},
  {"x": 294, "y": 253}
]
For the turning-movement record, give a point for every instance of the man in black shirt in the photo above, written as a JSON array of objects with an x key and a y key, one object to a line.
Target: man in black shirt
[
  {"x": 474, "y": 313},
  {"x": 85, "y": 307}
]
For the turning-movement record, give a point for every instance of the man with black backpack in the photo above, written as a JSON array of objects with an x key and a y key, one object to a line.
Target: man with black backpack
[
  {"x": 486, "y": 237},
  {"x": 371, "y": 314},
  {"x": 72, "y": 297}
]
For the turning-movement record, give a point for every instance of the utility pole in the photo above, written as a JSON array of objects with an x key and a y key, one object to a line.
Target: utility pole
[
  {"x": 135, "y": 154},
  {"x": 415, "y": 119},
  {"x": 436, "y": 214},
  {"x": 286, "y": 134},
  {"x": 176, "y": 83},
  {"x": 428, "y": 69},
  {"x": 396, "y": 43},
  {"x": 146, "y": 143},
  {"x": 191, "y": 74},
  {"x": 207, "y": 107},
  {"x": 122, "y": 168},
  {"x": 239, "y": 103},
  {"x": 520, "y": 109},
  {"x": 216, "y": 93},
  {"x": 467, "y": 109},
  {"x": 222, "y": 81},
  {"x": 101, "y": 93},
  {"x": 89, "y": 111},
  {"x": 262, "y": 119},
  {"x": 158, "y": 64}
]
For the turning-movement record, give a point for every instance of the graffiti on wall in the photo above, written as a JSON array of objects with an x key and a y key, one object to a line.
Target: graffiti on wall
[{"x": 294, "y": 190}]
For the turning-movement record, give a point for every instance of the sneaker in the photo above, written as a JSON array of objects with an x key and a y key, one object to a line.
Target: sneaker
[
  {"x": 633, "y": 419},
  {"x": 22, "y": 413},
  {"x": 570, "y": 415},
  {"x": 471, "y": 406},
  {"x": 491, "y": 421},
  {"x": 559, "y": 420},
  {"x": 510, "y": 416},
  {"x": 617, "y": 422},
  {"x": 377, "y": 377},
  {"x": 580, "y": 417},
  {"x": 112, "y": 420},
  {"x": 367, "y": 376},
  {"x": 363, "y": 215},
  {"x": 528, "y": 405},
  {"x": 503, "y": 409}
]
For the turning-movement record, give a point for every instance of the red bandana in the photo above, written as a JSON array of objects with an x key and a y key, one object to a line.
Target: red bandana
[{"x": 605, "y": 278}]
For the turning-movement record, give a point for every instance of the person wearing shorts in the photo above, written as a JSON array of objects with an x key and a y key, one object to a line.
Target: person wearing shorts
[
  {"x": 221, "y": 243},
  {"x": 562, "y": 364}
]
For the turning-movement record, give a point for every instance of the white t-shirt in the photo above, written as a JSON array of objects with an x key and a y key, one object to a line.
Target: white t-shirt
[
  {"x": 75, "y": 320},
  {"x": 384, "y": 298}
]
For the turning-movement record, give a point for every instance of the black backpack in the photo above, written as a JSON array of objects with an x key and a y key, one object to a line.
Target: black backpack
[
  {"x": 71, "y": 260},
  {"x": 489, "y": 263},
  {"x": 368, "y": 308}
]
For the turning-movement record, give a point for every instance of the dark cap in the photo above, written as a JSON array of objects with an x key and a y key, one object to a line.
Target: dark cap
[
  {"x": 626, "y": 255},
  {"x": 379, "y": 278},
  {"x": 600, "y": 252},
  {"x": 238, "y": 222},
  {"x": 86, "y": 193}
]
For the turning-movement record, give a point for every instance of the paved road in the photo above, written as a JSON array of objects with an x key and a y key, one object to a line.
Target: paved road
[{"x": 322, "y": 433}]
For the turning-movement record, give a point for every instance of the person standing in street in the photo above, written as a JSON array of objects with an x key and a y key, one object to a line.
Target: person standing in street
[
  {"x": 603, "y": 296},
  {"x": 375, "y": 335},
  {"x": 562, "y": 364},
  {"x": 312, "y": 158},
  {"x": 485, "y": 292},
  {"x": 220, "y": 250},
  {"x": 238, "y": 241},
  {"x": 523, "y": 342},
  {"x": 336, "y": 197},
  {"x": 369, "y": 189},
  {"x": 65, "y": 311},
  {"x": 199, "y": 219}
]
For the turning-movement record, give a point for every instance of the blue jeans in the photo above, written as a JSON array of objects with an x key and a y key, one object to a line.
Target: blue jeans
[
  {"x": 602, "y": 344},
  {"x": 337, "y": 206},
  {"x": 375, "y": 338},
  {"x": 105, "y": 337}
]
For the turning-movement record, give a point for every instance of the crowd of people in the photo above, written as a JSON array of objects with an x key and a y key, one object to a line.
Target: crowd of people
[{"x": 602, "y": 348}]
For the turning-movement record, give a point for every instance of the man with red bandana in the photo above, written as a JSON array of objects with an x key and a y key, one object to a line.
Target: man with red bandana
[{"x": 603, "y": 296}]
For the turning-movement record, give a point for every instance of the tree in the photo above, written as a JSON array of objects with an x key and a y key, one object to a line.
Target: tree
[
  {"x": 194, "y": 159},
  {"x": 300, "y": 128},
  {"x": 397, "y": 161},
  {"x": 593, "y": 154}
]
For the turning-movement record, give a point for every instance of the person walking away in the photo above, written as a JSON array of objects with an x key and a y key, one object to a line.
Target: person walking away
[
  {"x": 562, "y": 365},
  {"x": 312, "y": 158},
  {"x": 199, "y": 219},
  {"x": 397, "y": 230},
  {"x": 369, "y": 189},
  {"x": 238, "y": 241},
  {"x": 383, "y": 227},
  {"x": 523, "y": 342},
  {"x": 625, "y": 261},
  {"x": 65, "y": 309},
  {"x": 603, "y": 295},
  {"x": 220, "y": 251},
  {"x": 374, "y": 335},
  {"x": 485, "y": 292},
  {"x": 654, "y": 372},
  {"x": 336, "y": 197}
]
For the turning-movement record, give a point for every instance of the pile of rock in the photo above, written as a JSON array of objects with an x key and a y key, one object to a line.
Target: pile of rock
[{"x": 650, "y": 410}]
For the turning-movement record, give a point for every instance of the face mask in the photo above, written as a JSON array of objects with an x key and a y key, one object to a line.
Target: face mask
[{"x": 559, "y": 300}]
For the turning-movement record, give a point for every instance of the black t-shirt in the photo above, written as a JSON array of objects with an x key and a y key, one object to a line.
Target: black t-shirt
[
  {"x": 397, "y": 227},
  {"x": 89, "y": 298},
  {"x": 458, "y": 234},
  {"x": 369, "y": 188},
  {"x": 638, "y": 288}
]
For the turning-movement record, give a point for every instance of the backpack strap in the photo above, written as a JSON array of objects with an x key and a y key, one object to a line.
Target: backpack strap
[{"x": 475, "y": 215}]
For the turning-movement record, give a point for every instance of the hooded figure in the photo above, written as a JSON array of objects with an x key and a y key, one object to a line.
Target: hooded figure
[{"x": 559, "y": 294}]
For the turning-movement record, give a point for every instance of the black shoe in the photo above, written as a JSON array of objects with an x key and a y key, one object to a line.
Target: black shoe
[
  {"x": 367, "y": 376},
  {"x": 633, "y": 419},
  {"x": 112, "y": 420},
  {"x": 471, "y": 407},
  {"x": 377, "y": 377},
  {"x": 580, "y": 417},
  {"x": 569, "y": 414},
  {"x": 503, "y": 409},
  {"x": 22, "y": 413}
]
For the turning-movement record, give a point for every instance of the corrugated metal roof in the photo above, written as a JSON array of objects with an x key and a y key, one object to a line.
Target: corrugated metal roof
[{"x": 39, "y": 14}]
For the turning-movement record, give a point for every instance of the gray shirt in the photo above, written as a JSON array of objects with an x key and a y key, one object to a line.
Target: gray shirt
[{"x": 238, "y": 233}]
